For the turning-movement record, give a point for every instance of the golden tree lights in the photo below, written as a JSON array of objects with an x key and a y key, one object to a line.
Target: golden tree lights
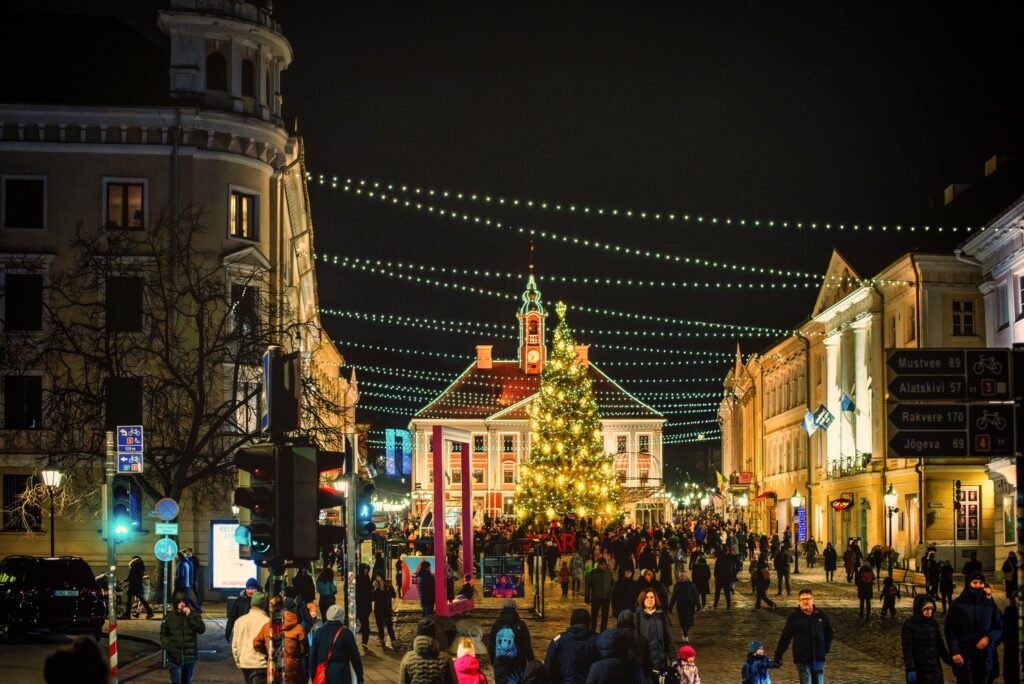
[{"x": 568, "y": 471}]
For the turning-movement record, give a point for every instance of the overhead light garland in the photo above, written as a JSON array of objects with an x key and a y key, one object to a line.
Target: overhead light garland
[
  {"x": 607, "y": 247},
  {"x": 712, "y": 435},
  {"x": 400, "y": 350},
  {"x": 634, "y": 214},
  {"x": 433, "y": 376},
  {"x": 578, "y": 307}
]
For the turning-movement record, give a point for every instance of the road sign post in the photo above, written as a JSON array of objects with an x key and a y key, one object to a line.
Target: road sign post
[{"x": 130, "y": 449}]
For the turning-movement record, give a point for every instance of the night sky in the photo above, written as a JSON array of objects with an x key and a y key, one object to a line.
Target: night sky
[{"x": 814, "y": 112}]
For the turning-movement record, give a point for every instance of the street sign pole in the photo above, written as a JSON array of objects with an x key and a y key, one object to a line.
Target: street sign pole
[{"x": 111, "y": 557}]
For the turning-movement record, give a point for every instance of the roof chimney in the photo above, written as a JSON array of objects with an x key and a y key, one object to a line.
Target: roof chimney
[
  {"x": 581, "y": 354},
  {"x": 483, "y": 356}
]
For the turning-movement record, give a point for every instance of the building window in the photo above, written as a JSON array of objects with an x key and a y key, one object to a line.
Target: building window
[
  {"x": 242, "y": 219},
  {"x": 478, "y": 476},
  {"x": 911, "y": 333},
  {"x": 248, "y": 78},
  {"x": 1020, "y": 291},
  {"x": 963, "y": 317},
  {"x": 621, "y": 444},
  {"x": 478, "y": 444},
  {"x": 1004, "y": 305},
  {"x": 508, "y": 506},
  {"x": 968, "y": 518},
  {"x": 508, "y": 444},
  {"x": 125, "y": 204},
  {"x": 644, "y": 444},
  {"x": 23, "y": 402},
  {"x": 456, "y": 476},
  {"x": 216, "y": 72},
  {"x": 18, "y": 517},
  {"x": 123, "y": 304},
  {"x": 23, "y": 302},
  {"x": 508, "y": 475},
  {"x": 456, "y": 447},
  {"x": 123, "y": 397},
  {"x": 23, "y": 202},
  {"x": 244, "y": 310},
  {"x": 890, "y": 334}
]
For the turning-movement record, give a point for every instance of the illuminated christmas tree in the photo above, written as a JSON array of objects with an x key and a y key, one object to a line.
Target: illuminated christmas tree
[{"x": 568, "y": 471}]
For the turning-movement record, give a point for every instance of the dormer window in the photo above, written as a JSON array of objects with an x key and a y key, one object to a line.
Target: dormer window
[{"x": 216, "y": 72}]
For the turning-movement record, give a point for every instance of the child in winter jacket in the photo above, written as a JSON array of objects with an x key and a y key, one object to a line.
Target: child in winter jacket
[
  {"x": 563, "y": 578},
  {"x": 683, "y": 670},
  {"x": 757, "y": 664},
  {"x": 890, "y": 592},
  {"x": 467, "y": 667}
]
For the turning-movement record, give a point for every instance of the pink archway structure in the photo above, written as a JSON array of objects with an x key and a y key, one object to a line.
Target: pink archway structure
[{"x": 442, "y": 435}]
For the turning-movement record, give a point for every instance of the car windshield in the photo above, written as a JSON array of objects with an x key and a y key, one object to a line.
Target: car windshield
[{"x": 49, "y": 573}]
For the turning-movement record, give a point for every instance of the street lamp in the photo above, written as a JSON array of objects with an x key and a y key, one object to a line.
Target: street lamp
[
  {"x": 52, "y": 478},
  {"x": 795, "y": 502},
  {"x": 890, "y": 498},
  {"x": 742, "y": 502}
]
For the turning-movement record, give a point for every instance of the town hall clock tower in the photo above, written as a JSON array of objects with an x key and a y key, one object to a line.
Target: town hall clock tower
[{"x": 532, "y": 351}]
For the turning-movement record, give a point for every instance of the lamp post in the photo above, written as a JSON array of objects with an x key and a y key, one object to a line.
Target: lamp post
[
  {"x": 52, "y": 478},
  {"x": 795, "y": 501},
  {"x": 742, "y": 502},
  {"x": 890, "y": 497}
]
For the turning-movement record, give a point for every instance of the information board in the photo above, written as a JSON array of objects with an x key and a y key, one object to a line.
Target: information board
[
  {"x": 409, "y": 585},
  {"x": 228, "y": 572},
  {"x": 503, "y": 577}
]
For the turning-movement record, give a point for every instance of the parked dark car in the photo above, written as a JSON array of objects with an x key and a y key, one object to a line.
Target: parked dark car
[{"x": 49, "y": 596}]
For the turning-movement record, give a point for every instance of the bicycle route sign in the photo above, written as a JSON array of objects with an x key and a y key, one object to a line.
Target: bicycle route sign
[
  {"x": 129, "y": 448},
  {"x": 958, "y": 415}
]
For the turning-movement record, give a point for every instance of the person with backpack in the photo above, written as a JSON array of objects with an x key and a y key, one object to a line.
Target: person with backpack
[
  {"x": 865, "y": 582},
  {"x": 572, "y": 652},
  {"x": 508, "y": 644},
  {"x": 762, "y": 581}
]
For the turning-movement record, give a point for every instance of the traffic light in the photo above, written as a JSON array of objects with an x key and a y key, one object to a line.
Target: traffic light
[
  {"x": 330, "y": 465},
  {"x": 122, "y": 521},
  {"x": 282, "y": 391},
  {"x": 364, "y": 510},
  {"x": 956, "y": 496},
  {"x": 260, "y": 497}
]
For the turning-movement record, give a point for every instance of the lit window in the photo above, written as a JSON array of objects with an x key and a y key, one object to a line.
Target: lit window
[
  {"x": 242, "y": 220},
  {"x": 621, "y": 444},
  {"x": 126, "y": 205},
  {"x": 478, "y": 444}
]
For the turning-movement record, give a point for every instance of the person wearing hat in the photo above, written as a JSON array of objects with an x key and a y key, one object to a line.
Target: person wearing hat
[
  {"x": 973, "y": 628},
  {"x": 335, "y": 645},
  {"x": 923, "y": 645},
  {"x": 683, "y": 670},
  {"x": 241, "y": 606},
  {"x": 571, "y": 653},
  {"x": 426, "y": 663},
  {"x": 296, "y": 647},
  {"x": 599, "y": 593},
  {"x": 251, "y": 662},
  {"x": 179, "y": 637},
  {"x": 757, "y": 664}
]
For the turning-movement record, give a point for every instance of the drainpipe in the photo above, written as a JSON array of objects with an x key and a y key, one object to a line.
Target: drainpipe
[
  {"x": 885, "y": 436},
  {"x": 807, "y": 403},
  {"x": 919, "y": 468}
]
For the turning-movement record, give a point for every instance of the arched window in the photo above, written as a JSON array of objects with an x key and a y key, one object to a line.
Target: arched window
[
  {"x": 248, "y": 78},
  {"x": 216, "y": 72}
]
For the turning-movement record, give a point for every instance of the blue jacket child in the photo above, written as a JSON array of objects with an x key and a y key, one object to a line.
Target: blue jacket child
[{"x": 755, "y": 668}]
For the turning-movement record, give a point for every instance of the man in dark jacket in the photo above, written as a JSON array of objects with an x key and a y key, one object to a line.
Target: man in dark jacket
[
  {"x": 973, "y": 628},
  {"x": 364, "y": 601},
  {"x": 599, "y": 593},
  {"x": 624, "y": 593},
  {"x": 572, "y": 652},
  {"x": 303, "y": 584},
  {"x": 136, "y": 571},
  {"x": 615, "y": 665},
  {"x": 810, "y": 630},
  {"x": 241, "y": 605},
  {"x": 508, "y": 643},
  {"x": 781, "y": 562},
  {"x": 179, "y": 637},
  {"x": 972, "y": 565},
  {"x": 923, "y": 645},
  {"x": 686, "y": 601},
  {"x": 725, "y": 575}
]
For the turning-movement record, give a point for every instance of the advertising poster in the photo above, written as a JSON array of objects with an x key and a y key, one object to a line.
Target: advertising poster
[
  {"x": 389, "y": 451},
  {"x": 406, "y": 453},
  {"x": 410, "y": 564},
  {"x": 503, "y": 577},
  {"x": 228, "y": 572}
]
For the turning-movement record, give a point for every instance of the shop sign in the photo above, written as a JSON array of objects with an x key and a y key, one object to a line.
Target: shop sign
[{"x": 841, "y": 504}]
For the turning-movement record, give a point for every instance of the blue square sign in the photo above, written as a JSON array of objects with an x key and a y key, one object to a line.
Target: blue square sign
[
  {"x": 128, "y": 435},
  {"x": 129, "y": 448}
]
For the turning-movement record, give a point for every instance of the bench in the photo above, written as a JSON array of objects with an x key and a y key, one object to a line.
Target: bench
[{"x": 909, "y": 580}]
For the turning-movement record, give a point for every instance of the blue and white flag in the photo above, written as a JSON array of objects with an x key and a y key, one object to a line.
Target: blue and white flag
[
  {"x": 823, "y": 417},
  {"x": 809, "y": 425},
  {"x": 846, "y": 403}
]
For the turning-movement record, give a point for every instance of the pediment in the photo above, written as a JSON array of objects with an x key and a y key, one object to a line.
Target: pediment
[
  {"x": 840, "y": 280},
  {"x": 248, "y": 258}
]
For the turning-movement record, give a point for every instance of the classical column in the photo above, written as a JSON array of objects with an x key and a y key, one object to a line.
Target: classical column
[
  {"x": 832, "y": 444},
  {"x": 862, "y": 389}
]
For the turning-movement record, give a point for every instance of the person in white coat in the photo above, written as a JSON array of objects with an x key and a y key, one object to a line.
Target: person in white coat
[{"x": 251, "y": 662}]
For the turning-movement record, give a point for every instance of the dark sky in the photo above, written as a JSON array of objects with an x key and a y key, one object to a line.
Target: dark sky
[{"x": 828, "y": 112}]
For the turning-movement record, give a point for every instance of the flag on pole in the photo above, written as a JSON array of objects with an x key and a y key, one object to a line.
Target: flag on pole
[
  {"x": 810, "y": 425},
  {"x": 847, "y": 403},
  {"x": 721, "y": 481}
]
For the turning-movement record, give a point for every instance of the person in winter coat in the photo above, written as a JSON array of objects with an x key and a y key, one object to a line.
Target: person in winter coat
[
  {"x": 241, "y": 605},
  {"x": 508, "y": 644},
  {"x": 1009, "y": 570},
  {"x": 425, "y": 663},
  {"x": 701, "y": 572},
  {"x": 648, "y": 581},
  {"x": 571, "y": 653},
  {"x": 251, "y": 662},
  {"x": 615, "y": 665},
  {"x": 946, "y": 585},
  {"x": 647, "y": 560},
  {"x": 382, "y": 595},
  {"x": 761, "y": 579},
  {"x": 136, "y": 571},
  {"x": 757, "y": 664},
  {"x": 683, "y": 669},
  {"x": 830, "y": 558},
  {"x": 179, "y": 637},
  {"x": 296, "y": 648},
  {"x": 599, "y": 593},
  {"x": 326, "y": 589},
  {"x": 652, "y": 625},
  {"x": 865, "y": 589},
  {"x": 781, "y": 562},
  {"x": 810, "y": 631},
  {"x": 850, "y": 562},
  {"x": 639, "y": 650},
  {"x": 467, "y": 667},
  {"x": 686, "y": 601},
  {"x": 973, "y": 628},
  {"x": 576, "y": 571},
  {"x": 889, "y": 594},
  {"x": 624, "y": 593},
  {"x": 923, "y": 645},
  {"x": 303, "y": 584},
  {"x": 725, "y": 575},
  {"x": 364, "y": 601},
  {"x": 1011, "y": 641},
  {"x": 665, "y": 567},
  {"x": 534, "y": 673},
  {"x": 425, "y": 585},
  {"x": 811, "y": 549},
  {"x": 563, "y": 578},
  {"x": 336, "y": 640}
]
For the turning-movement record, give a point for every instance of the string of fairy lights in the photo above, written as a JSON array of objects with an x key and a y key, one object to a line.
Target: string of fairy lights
[{"x": 568, "y": 207}]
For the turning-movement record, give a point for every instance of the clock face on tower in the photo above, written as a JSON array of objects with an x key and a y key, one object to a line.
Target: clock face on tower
[{"x": 533, "y": 356}]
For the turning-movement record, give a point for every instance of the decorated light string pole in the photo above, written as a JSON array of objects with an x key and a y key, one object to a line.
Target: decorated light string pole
[
  {"x": 891, "y": 498},
  {"x": 795, "y": 501}
]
